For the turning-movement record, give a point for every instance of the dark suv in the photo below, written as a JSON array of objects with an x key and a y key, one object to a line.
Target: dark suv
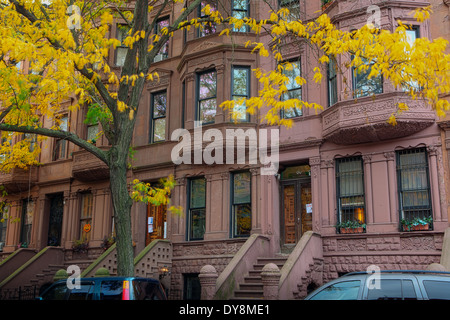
[
  {"x": 105, "y": 288},
  {"x": 386, "y": 285}
]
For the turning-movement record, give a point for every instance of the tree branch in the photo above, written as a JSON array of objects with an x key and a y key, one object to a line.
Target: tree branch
[{"x": 69, "y": 136}]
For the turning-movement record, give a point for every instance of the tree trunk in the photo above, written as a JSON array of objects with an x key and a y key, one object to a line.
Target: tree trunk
[{"x": 122, "y": 203}]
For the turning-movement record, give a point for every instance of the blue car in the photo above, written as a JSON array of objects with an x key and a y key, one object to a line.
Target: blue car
[{"x": 105, "y": 288}]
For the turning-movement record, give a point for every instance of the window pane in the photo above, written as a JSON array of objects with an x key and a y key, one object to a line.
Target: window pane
[
  {"x": 159, "y": 129},
  {"x": 437, "y": 290},
  {"x": 159, "y": 105},
  {"x": 120, "y": 56},
  {"x": 83, "y": 293},
  {"x": 363, "y": 86},
  {"x": 198, "y": 193},
  {"x": 347, "y": 290},
  {"x": 58, "y": 292},
  {"x": 207, "y": 85},
  {"x": 240, "y": 81},
  {"x": 242, "y": 219},
  {"x": 197, "y": 217},
  {"x": 292, "y": 73},
  {"x": 241, "y": 187},
  {"x": 111, "y": 290},
  {"x": 207, "y": 110},
  {"x": 240, "y": 4}
]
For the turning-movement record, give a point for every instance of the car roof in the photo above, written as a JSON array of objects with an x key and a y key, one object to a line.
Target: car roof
[
  {"x": 405, "y": 272},
  {"x": 113, "y": 278}
]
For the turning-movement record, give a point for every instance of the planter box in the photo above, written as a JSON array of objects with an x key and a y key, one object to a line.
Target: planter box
[
  {"x": 351, "y": 230},
  {"x": 419, "y": 227}
]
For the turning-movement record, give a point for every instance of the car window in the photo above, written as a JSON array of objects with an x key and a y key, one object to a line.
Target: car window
[
  {"x": 146, "y": 290},
  {"x": 57, "y": 292},
  {"x": 346, "y": 290},
  {"x": 393, "y": 289},
  {"x": 84, "y": 292},
  {"x": 437, "y": 290},
  {"x": 111, "y": 290}
]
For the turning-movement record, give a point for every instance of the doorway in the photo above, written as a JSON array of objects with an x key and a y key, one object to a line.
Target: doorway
[
  {"x": 296, "y": 203},
  {"x": 156, "y": 223},
  {"x": 55, "y": 220}
]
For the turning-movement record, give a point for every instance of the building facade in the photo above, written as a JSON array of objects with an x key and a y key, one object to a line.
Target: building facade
[{"x": 337, "y": 165}]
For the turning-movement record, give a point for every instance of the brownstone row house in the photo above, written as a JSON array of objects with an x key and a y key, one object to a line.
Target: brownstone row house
[{"x": 343, "y": 163}]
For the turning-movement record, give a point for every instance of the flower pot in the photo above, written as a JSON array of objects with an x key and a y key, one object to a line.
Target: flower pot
[
  {"x": 351, "y": 230},
  {"x": 419, "y": 227}
]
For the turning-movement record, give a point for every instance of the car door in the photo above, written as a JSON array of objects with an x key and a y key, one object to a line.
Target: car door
[{"x": 392, "y": 287}]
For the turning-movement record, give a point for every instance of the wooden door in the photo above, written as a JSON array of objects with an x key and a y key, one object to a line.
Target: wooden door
[
  {"x": 296, "y": 210},
  {"x": 156, "y": 223},
  {"x": 290, "y": 214}
]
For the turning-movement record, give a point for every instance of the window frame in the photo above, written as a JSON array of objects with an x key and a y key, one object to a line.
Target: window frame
[
  {"x": 342, "y": 216},
  {"x": 191, "y": 208},
  {"x": 120, "y": 46},
  {"x": 356, "y": 92},
  {"x": 85, "y": 219},
  {"x": 201, "y": 31},
  {"x": 246, "y": 12},
  {"x": 198, "y": 101},
  {"x": 332, "y": 82},
  {"x": 60, "y": 146},
  {"x": 297, "y": 87},
  {"x": 247, "y": 88},
  {"x": 400, "y": 187},
  {"x": 153, "y": 118},
  {"x": 234, "y": 204},
  {"x": 166, "y": 44}
]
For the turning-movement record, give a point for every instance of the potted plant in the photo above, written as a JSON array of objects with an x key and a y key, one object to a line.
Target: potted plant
[
  {"x": 416, "y": 224},
  {"x": 326, "y": 4},
  {"x": 80, "y": 246},
  {"x": 108, "y": 242},
  {"x": 351, "y": 226}
]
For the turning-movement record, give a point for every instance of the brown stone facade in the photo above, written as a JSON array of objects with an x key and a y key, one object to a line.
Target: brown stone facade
[{"x": 349, "y": 128}]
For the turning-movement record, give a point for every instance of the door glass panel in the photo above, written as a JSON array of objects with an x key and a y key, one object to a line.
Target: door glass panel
[
  {"x": 306, "y": 207},
  {"x": 55, "y": 221}
]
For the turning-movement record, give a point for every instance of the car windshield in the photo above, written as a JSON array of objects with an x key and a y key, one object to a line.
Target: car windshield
[{"x": 346, "y": 290}]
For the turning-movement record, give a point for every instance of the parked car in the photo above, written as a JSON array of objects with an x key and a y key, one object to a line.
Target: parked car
[
  {"x": 106, "y": 288},
  {"x": 386, "y": 285}
]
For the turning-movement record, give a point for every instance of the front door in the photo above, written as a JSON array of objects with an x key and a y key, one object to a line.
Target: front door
[
  {"x": 156, "y": 223},
  {"x": 297, "y": 210},
  {"x": 55, "y": 220}
]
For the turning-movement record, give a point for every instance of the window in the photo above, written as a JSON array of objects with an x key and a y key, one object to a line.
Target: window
[
  {"x": 350, "y": 189},
  {"x": 27, "y": 220},
  {"x": 197, "y": 209},
  {"x": 3, "y": 225},
  {"x": 60, "y": 147},
  {"x": 413, "y": 184},
  {"x": 437, "y": 290},
  {"x": 393, "y": 289},
  {"x": 411, "y": 35},
  {"x": 292, "y": 71},
  {"x": 346, "y": 290},
  {"x": 111, "y": 290},
  {"x": 92, "y": 132},
  {"x": 294, "y": 9},
  {"x": 240, "y": 10},
  {"x": 208, "y": 27},
  {"x": 164, "y": 51},
  {"x": 240, "y": 89},
  {"x": 362, "y": 85},
  {"x": 121, "y": 50},
  {"x": 84, "y": 292},
  {"x": 158, "y": 116},
  {"x": 87, "y": 200},
  {"x": 332, "y": 82},
  {"x": 206, "y": 96},
  {"x": 241, "y": 205}
]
